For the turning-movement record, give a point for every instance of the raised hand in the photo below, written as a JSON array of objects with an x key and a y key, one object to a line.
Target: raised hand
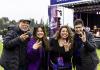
[
  {"x": 83, "y": 36},
  {"x": 24, "y": 36},
  {"x": 67, "y": 45},
  {"x": 37, "y": 44}
]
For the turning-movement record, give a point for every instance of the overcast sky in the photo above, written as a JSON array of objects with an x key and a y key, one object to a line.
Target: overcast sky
[{"x": 18, "y": 9}]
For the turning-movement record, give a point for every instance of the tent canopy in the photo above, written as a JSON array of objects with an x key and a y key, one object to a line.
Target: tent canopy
[{"x": 86, "y": 6}]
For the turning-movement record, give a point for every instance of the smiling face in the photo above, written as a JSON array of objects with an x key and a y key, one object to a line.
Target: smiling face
[
  {"x": 24, "y": 26},
  {"x": 79, "y": 29},
  {"x": 40, "y": 33},
  {"x": 64, "y": 33}
]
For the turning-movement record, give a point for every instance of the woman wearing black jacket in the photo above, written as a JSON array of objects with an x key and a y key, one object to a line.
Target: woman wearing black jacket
[{"x": 61, "y": 53}]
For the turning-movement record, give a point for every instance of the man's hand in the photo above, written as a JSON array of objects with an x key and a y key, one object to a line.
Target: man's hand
[
  {"x": 83, "y": 36},
  {"x": 24, "y": 36}
]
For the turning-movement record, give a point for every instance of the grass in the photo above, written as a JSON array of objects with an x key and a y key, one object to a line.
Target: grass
[
  {"x": 0, "y": 53},
  {"x": 1, "y": 47},
  {"x": 98, "y": 53}
]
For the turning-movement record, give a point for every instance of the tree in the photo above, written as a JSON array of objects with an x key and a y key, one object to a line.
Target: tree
[
  {"x": 42, "y": 22},
  {"x": 47, "y": 27},
  {"x": 5, "y": 19},
  {"x": 1, "y": 24},
  {"x": 13, "y": 22},
  {"x": 32, "y": 24}
]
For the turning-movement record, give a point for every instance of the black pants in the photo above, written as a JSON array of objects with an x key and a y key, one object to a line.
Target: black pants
[
  {"x": 21, "y": 67},
  {"x": 86, "y": 67}
]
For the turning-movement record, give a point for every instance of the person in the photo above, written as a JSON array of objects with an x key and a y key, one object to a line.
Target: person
[
  {"x": 84, "y": 50},
  {"x": 87, "y": 29},
  {"x": 61, "y": 49},
  {"x": 37, "y": 49},
  {"x": 14, "y": 47},
  {"x": 95, "y": 31}
]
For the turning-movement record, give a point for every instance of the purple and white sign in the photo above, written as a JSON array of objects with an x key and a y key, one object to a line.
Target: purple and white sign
[{"x": 52, "y": 13}]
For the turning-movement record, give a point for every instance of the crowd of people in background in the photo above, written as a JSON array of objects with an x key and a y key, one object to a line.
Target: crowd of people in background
[
  {"x": 26, "y": 49},
  {"x": 95, "y": 30}
]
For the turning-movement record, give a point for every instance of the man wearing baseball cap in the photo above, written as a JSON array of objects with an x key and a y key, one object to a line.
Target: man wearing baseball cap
[{"x": 14, "y": 47}]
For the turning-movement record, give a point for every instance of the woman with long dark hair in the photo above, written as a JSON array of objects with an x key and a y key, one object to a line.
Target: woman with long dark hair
[
  {"x": 37, "y": 49},
  {"x": 61, "y": 49}
]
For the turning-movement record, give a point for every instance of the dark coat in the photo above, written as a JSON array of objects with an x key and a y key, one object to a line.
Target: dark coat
[
  {"x": 58, "y": 51},
  {"x": 86, "y": 58},
  {"x": 14, "y": 50},
  {"x": 37, "y": 58}
]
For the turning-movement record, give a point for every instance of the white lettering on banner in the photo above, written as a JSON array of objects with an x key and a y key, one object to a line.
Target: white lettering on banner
[{"x": 61, "y": 0}]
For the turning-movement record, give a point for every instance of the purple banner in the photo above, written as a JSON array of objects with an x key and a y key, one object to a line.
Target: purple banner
[
  {"x": 52, "y": 2},
  {"x": 52, "y": 13}
]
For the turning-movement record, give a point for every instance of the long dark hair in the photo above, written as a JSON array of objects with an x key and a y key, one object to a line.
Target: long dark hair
[
  {"x": 44, "y": 39},
  {"x": 70, "y": 34}
]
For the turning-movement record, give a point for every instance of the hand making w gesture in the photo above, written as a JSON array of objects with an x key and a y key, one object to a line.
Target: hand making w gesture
[
  {"x": 83, "y": 36},
  {"x": 67, "y": 45},
  {"x": 37, "y": 44}
]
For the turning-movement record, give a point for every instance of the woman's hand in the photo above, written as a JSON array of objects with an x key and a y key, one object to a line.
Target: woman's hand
[
  {"x": 67, "y": 46},
  {"x": 37, "y": 44}
]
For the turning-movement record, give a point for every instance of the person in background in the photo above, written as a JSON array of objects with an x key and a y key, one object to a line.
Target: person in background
[
  {"x": 95, "y": 30},
  {"x": 84, "y": 50},
  {"x": 37, "y": 49},
  {"x": 61, "y": 49},
  {"x": 87, "y": 29},
  {"x": 14, "y": 47}
]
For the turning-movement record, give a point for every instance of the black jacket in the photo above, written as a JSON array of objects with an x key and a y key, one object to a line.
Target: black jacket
[
  {"x": 58, "y": 51},
  {"x": 87, "y": 58},
  {"x": 14, "y": 50}
]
